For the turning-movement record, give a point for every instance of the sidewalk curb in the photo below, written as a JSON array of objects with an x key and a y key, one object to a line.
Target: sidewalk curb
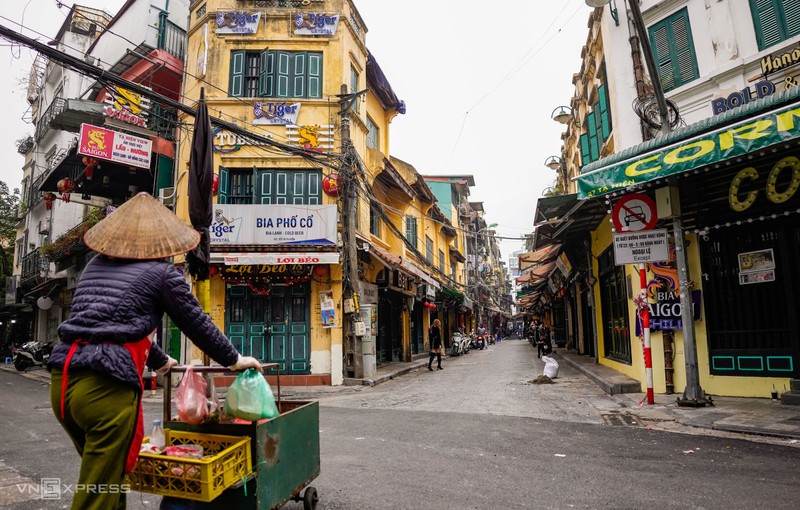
[
  {"x": 385, "y": 377},
  {"x": 610, "y": 387}
]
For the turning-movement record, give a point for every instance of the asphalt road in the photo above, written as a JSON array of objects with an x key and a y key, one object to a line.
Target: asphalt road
[{"x": 475, "y": 435}]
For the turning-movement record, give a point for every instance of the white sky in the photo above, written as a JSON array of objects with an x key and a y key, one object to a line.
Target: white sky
[{"x": 479, "y": 89}]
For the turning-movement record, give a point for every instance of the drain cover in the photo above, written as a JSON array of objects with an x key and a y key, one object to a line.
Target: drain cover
[{"x": 621, "y": 420}]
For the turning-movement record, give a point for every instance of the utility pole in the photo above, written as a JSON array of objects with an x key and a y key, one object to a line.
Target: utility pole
[
  {"x": 349, "y": 184},
  {"x": 693, "y": 394}
]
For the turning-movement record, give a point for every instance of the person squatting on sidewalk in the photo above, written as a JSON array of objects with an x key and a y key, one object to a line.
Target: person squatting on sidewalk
[{"x": 435, "y": 339}]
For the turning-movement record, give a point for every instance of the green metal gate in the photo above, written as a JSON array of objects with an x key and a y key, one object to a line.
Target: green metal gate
[{"x": 272, "y": 328}]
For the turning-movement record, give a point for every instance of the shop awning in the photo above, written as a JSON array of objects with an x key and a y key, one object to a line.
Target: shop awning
[
  {"x": 397, "y": 262},
  {"x": 537, "y": 274},
  {"x": 453, "y": 293},
  {"x": 541, "y": 256},
  {"x": 564, "y": 218},
  {"x": 754, "y": 127},
  {"x": 274, "y": 258}
]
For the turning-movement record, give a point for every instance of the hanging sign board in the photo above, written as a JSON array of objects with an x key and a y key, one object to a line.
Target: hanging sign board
[
  {"x": 757, "y": 267},
  {"x": 273, "y": 258},
  {"x": 634, "y": 212},
  {"x": 275, "y": 113},
  {"x": 641, "y": 247},
  {"x": 237, "y": 22},
  {"x": 315, "y": 23},
  {"x": 114, "y": 146},
  {"x": 273, "y": 224}
]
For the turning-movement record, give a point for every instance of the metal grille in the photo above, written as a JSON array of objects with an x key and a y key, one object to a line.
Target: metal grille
[{"x": 750, "y": 332}]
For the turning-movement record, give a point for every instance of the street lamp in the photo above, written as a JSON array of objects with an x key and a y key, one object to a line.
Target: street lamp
[
  {"x": 601, "y": 3},
  {"x": 562, "y": 114},
  {"x": 554, "y": 162}
]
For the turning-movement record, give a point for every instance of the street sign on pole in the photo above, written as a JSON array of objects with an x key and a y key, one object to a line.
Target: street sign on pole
[
  {"x": 633, "y": 213},
  {"x": 641, "y": 247}
]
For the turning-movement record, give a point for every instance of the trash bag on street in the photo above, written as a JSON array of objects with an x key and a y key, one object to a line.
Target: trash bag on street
[
  {"x": 250, "y": 397},
  {"x": 550, "y": 367}
]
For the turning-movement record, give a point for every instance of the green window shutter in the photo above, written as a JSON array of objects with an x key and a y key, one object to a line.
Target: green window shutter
[
  {"x": 591, "y": 130},
  {"x": 314, "y": 187},
  {"x": 282, "y": 72},
  {"x": 585, "y": 157},
  {"x": 269, "y": 88},
  {"x": 263, "y": 75},
  {"x": 298, "y": 74},
  {"x": 659, "y": 40},
  {"x": 314, "y": 75},
  {"x": 236, "y": 79},
  {"x": 222, "y": 193},
  {"x": 791, "y": 16},
  {"x": 766, "y": 21},
  {"x": 605, "y": 117},
  {"x": 685, "y": 63}
]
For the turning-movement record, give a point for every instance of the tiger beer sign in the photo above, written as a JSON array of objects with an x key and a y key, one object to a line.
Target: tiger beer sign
[{"x": 114, "y": 146}]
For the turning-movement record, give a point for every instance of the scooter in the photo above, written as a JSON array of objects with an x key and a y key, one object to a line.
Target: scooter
[
  {"x": 479, "y": 342},
  {"x": 460, "y": 344},
  {"x": 31, "y": 354}
]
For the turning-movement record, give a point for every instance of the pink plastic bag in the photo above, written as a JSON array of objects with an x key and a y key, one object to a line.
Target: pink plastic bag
[{"x": 190, "y": 398}]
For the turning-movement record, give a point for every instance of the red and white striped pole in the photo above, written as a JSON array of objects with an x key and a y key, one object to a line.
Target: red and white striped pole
[
  {"x": 648, "y": 355},
  {"x": 152, "y": 383}
]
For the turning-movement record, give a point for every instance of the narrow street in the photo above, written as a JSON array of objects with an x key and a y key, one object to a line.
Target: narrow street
[{"x": 474, "y": 435}]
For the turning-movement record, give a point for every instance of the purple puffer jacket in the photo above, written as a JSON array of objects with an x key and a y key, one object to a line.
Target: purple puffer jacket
[{"x": 120, "y": 301}]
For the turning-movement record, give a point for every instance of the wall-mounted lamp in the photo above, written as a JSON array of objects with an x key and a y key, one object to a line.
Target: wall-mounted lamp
[
  {"x": 562, "y": 114},
  {"x": 601, "y": 3},
  {"x": 554, "y": 162}
]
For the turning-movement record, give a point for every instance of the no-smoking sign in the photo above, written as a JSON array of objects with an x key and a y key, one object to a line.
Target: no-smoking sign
[{"x": 634, "y": 212}]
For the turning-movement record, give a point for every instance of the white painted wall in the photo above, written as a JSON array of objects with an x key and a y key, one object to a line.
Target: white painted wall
[
  {"x": 138, "y": 24},
  {"x": 725, "y": 47}
]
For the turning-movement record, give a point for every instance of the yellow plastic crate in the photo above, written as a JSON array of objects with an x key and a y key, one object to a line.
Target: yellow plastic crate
[{"x": 226, "y": 461}]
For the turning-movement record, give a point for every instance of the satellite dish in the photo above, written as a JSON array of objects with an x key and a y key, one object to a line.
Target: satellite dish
[{"x": 44, "y": 303}]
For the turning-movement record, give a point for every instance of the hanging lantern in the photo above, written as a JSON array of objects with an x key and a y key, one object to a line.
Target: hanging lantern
[
  {"x": 321, "y": 270},
  {"x": 215, "y": 184},
  {"x": 49, "y": 197},
  {"x": 331, "y": 185},
  {"x": 65, "y": 186},
  {"x": 91, "y": 163},
  {"x": 213, "y": 270}
]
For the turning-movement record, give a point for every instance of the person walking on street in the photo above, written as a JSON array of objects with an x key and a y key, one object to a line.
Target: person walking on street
[
  {"x": 435, "y": 339},
  {"x": 122, "y": 295}
]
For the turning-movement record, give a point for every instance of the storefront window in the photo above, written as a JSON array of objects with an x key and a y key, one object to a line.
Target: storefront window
[{"x": 614, "y": 306}]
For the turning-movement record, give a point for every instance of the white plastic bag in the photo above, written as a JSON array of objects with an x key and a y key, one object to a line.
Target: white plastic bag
[{"x": 550, "y": 367}]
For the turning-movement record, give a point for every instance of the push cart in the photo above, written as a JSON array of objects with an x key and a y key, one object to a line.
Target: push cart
[{"x": 283, "y": 457}]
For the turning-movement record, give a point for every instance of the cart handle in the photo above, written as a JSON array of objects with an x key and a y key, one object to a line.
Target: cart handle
[{"x": 206, "y": 370}]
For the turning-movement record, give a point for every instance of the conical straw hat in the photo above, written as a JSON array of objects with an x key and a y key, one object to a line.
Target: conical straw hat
[{"x": 142, "y": 229}]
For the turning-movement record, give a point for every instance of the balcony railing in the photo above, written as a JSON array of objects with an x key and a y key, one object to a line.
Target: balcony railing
[
  {"x": 171, "y": 37},
  {"x": 33, "y": 265},
  {"x": 34, "y": 195},
  {"x": 56, "y": 107}
]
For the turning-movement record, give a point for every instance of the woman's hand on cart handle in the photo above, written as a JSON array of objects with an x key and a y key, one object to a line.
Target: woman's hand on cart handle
[
  {"x": 245, "y": 362},
  {"x": 171, "y": 362}
]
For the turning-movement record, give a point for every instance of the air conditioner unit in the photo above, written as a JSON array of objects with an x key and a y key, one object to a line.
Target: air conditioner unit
[
  {"x": 167, "y": 196},
  {"x": 44, "y": 227}
]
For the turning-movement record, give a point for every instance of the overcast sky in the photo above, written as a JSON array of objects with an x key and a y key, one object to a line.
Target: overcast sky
[{"x": 479, "y": 89}]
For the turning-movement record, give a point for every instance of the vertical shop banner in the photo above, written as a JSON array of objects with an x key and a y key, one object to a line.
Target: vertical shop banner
[
  {"x": 327, "y": 309},
  {"x": 114, "y": 146},
  {"x": 273, "y": 224}
]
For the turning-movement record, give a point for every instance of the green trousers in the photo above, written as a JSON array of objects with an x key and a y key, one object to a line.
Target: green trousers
[{"x": 99, "y": 416}]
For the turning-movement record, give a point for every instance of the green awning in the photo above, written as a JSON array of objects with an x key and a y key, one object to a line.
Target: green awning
[
  {"x": 452, "y": 292},
  {"x": 686, "y": 150}
]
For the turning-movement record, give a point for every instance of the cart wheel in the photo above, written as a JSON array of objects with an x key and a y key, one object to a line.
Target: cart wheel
[{"x": 310, "y": 498}]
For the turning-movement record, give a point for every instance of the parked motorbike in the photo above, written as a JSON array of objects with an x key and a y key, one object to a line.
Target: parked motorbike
[
  {"x": 31, "y": 354},
  {"x": 460, "y": 344}
]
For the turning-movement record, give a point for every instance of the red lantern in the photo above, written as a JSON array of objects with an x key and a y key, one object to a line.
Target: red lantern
[
  {"x": 215, "y": 184},
  {"x": 65, "y": 186},
  {"x": 331, "y": 185},
  {"x": 90, "y": 163},
  {"x": 213, "y": 270},
  {"x": 48, "y": 199},
  {"x": 320, "y": 270}
]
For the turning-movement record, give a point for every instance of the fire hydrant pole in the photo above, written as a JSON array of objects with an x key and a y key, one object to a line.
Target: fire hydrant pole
[{"x": 648, "y": 354}]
